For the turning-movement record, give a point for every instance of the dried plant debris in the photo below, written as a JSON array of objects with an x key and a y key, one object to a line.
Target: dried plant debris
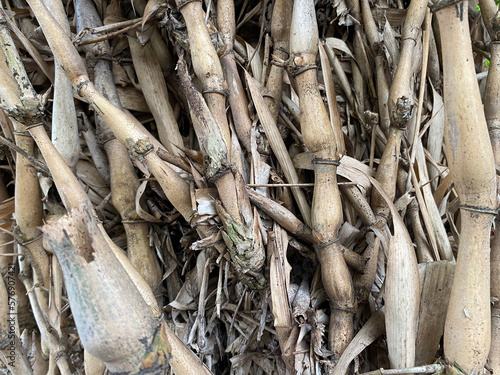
[{"x": 249, "y": 187}]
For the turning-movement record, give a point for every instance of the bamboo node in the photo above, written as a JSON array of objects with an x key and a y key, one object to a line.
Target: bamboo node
[
  {"x": 132, "y": 221},
  {"x": 105, "y": 137},
  {"x": 214, "y": 177},
  {"x": 224, "y": 92},
  {"x": 34, "y": 125},
  {"x": 21, "y": 134},
  {"x": 182, "y": 3},
  {"x": 294, "y": 65},
  {"x": 322, "y": 245},
  {"x": 350, "y": 310},
  {"x": 479, "y": 209},
  {"x": 439, "y": 4},
  {"x": 282, "y": 50},
  {"x": 323, "y": 161},
  {"x": 20, "y": 237},
  {"x": 226, "y": 52}
]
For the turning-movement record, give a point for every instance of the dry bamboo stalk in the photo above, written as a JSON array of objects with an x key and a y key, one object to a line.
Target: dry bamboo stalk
[
  {"x": 240, "y": 228},
  {"x": 332, "y": 100},
  {"x": 281, "y": 215},
  {"x": 126, "y": 129},
  {"x": 206, "y": 64},
  {"x": 123, "y": 179},
  {"x": 29, "y": 213},
  {"x": 22, "y": 102},
  {"x": 491, "y": 101},
  {"x": 237, "y": 100},
  {"x": 471, "y": 162},
  {"x": 64, "y": 125},
  {"x": 382, "y": 87},
  {"x": 400, "y": 106},
  {"x": 326, "y": 212},
  {"x": 280, "y": 32},
  {"x": 155, "y": 92}
]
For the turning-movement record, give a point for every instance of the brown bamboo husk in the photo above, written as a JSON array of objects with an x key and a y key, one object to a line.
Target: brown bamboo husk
[
  {"x": 468, "y": 324},
  {"x": 436, "y": 279}
]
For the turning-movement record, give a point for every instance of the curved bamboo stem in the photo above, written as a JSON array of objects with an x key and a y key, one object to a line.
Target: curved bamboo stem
[
  {"x": 471, "y": 161},
  {"x": 326, "y": 210}
]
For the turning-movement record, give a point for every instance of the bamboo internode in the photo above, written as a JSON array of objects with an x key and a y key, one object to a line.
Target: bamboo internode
[{"x": 249, "y": 187}]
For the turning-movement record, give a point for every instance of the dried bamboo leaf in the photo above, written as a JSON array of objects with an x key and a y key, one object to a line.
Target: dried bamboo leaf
[{"x": 436, "y": 279}]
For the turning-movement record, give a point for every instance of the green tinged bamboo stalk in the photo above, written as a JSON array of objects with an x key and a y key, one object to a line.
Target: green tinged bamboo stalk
[
  {"x": 471, "y": 162},
  {"x": 326, "y": 210}
]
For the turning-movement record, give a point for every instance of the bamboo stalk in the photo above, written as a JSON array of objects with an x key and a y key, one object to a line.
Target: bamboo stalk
[
  {"x": 237, "y": 100},
  {"x": 280, "y": 33},
  {"x": 206, "y": 64},
  {"x": 491, "y": 101},
  {"x": 64, "y": 125},
  {"x": 326, "y": 210},
  {"x": 155, "y": 92},
  {"x": 234, "y": 209},
  {"x": 123, "y": 178},
  {"x": 23, "y": 102},
  {"x": 471, "y": 162},
  {"x": 382, "y": 86}
]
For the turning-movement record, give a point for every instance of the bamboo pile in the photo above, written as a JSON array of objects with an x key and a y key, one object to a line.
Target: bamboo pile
[{"x": 249, "y": 187}]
